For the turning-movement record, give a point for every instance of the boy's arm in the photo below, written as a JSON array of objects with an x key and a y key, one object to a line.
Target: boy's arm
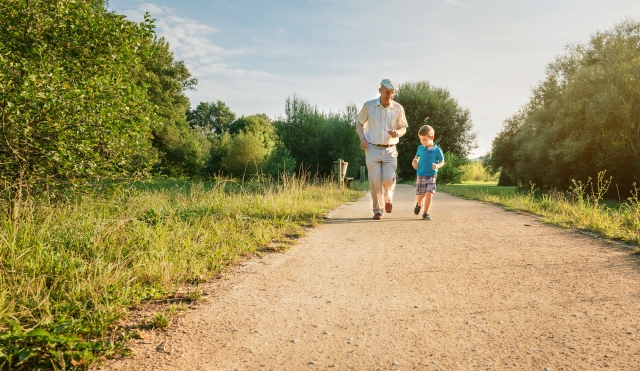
[
  {"x": 414, "y": 163},
  {"x": 441, "y": 163}
]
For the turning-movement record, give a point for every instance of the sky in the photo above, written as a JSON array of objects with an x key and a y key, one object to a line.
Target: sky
[{"x": 254, "y": 54}]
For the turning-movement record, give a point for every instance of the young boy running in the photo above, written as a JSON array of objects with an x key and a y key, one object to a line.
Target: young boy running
[{"x": 429, "y": 158}]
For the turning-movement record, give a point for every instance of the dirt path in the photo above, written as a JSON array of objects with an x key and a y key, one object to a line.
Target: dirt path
[{"x": 477, "y": 287}]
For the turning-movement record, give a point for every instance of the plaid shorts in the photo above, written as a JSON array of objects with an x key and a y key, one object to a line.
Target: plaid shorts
[{"x": 425, "y": 184}]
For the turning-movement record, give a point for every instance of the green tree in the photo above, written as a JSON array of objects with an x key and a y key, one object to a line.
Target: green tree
[
  {"x": 211, "y": 118},
  {"x": 316, "y": 139},
  {"x": 257, "y": 124},
  {"x": 582, "y": 119},
  {"x": 246, "y": 154},
  {"x": 426, "y": 104},
  {"x": 71, "y": 110},
  {"x": 182, "y": 151}
]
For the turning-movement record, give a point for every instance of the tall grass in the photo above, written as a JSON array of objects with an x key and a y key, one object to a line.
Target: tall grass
[
  {"x": 71, "y": 271},
  {"x": 581, "y": 207},
  {"x": 476, "y": 172}
]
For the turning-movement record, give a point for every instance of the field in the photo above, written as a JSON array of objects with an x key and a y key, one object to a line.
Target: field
[
  {"x": 75, "y": 270},
  {"x": 583, "y": 207}
]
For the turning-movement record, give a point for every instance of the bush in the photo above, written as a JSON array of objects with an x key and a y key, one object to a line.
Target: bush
[
  {"x": 245, "y": 156},
  {"x": 453, "y": 169},
  {"x": 476, "y": 172}
]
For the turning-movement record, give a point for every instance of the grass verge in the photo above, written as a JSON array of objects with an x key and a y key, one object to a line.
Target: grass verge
[
  {"x": 582, "y": 207},
  {"x": 71, "y": 271}
]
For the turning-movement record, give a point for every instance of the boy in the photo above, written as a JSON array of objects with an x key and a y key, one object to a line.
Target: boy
[{"x": 429, "y": 158}]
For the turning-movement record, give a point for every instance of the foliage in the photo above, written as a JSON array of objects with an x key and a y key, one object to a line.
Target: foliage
[
  {"x": 317, "y": 139},
  {"x": 280, "y": 162},
  {"x": 78, "y": 267},
  {"x": 211, "y": 117},
  {"x": 220, "y": 146},
  {"x": 582, "y": 119},
  {"x": 71, "y": 111},
  {"x": 475, "y": 171},
  {"x": 49, "y": 347},
  {"x": 246, "y": 154},
  {"x": 182, "y": 150},
  {"x": 582, "y": 207},
  {"x": 426, "y": 104},
  {"x": 259, "y": 125},
  {"x": 453, "y": 169},
  {"x": 250, "y": 146}
]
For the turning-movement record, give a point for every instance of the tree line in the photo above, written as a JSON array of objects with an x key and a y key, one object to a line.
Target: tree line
[
  {"x": 582, "y": 119},
  {"x": 87, "y": 96}
]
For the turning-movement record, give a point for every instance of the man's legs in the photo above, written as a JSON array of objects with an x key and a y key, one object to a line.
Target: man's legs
[
  {"x": 381, "y": 164},
  {"x": 389, "y": 161},
  {"x": 374, "y": 167},
  {"x": 389, "y": 179}
]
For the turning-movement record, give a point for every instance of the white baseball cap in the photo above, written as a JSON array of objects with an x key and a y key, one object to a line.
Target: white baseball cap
[{"x": 391, "y": 85}]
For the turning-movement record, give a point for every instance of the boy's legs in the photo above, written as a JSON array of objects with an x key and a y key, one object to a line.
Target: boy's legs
[
  {"x": 427, "y": 201},
  {"x": 421, "y": 189},
  {"x": 431, "y": 189}
]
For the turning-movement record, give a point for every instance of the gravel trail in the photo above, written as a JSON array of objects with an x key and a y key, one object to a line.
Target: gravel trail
[{"x": 476, "y": 288}]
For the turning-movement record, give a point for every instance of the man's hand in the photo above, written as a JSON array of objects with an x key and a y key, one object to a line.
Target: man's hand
[
  {"x": 364, "y": 144},
  {"x": 393, "y": 133}
]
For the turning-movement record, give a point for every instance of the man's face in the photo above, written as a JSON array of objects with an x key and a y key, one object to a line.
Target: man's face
[{"x": 386, "y": 95}]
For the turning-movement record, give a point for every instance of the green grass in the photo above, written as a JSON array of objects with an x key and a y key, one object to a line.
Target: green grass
[
  {"x": 71, "y": 271},
  {"x": 582, "y": 207},
  {"x": 357, "y": 186}
]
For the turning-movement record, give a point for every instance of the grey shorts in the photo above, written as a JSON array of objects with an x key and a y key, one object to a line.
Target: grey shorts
[{"x": 425, "y": 184}]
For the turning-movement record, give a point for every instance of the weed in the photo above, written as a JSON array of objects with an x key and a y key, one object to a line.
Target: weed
[
  {"x": 159, "y": 320},
  {"x": 70, "y": 272}
]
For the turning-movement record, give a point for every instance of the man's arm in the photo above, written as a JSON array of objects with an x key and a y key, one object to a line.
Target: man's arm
[
  {"x": 363, "y": 141},
  {"x": 397, "y": 133}
]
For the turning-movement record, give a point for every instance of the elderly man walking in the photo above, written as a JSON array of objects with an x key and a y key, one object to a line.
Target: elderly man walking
[{"x": 381, "y": 123}]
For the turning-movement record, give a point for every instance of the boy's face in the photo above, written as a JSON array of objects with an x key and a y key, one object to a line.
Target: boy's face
[{"x": 426, "y": 140}]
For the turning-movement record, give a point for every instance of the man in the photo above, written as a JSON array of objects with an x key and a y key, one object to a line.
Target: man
[{"x": 381, "y": 123}]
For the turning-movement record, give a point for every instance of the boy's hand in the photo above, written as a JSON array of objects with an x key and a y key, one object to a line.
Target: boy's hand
[
  {"x": 414, "y": 163},
  {"x": 434, "y": 166}
]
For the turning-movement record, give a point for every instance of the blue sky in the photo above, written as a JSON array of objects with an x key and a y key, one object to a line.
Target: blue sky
[{"x": 253, "y": 54}]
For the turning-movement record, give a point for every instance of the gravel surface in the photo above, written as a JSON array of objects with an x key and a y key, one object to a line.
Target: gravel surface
[{"x": 477, "y": 287}]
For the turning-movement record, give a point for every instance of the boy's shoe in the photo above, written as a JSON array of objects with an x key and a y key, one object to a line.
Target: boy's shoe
[
  {"x": 426, "y": 216},
  {"x": 416, "y": 210}
]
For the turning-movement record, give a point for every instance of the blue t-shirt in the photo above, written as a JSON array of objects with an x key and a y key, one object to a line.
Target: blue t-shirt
[{"x": 428, "y": 158}]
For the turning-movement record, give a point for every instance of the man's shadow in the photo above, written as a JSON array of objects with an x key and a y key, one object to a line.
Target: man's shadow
[{"x": 329, "y": 220}]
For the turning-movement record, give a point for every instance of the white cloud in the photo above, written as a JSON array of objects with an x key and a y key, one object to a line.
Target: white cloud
[{"x": 190, "y": 41}]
